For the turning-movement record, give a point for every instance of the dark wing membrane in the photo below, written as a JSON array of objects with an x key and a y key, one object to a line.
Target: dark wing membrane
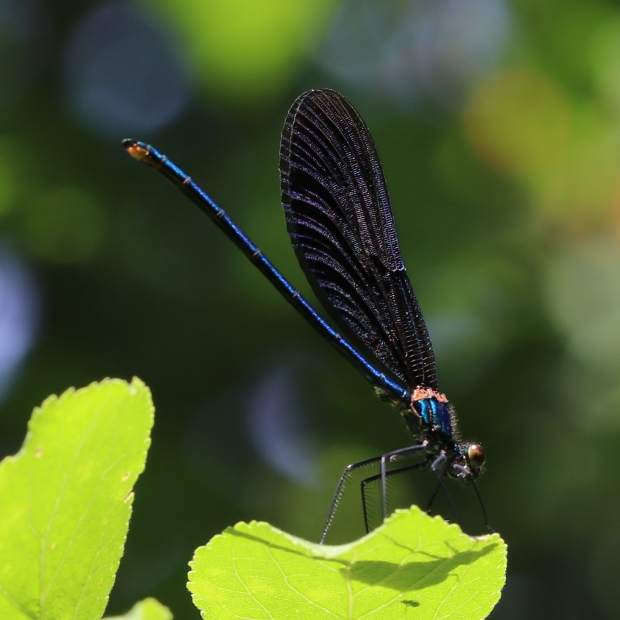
[{"x": 341, "y": 225}]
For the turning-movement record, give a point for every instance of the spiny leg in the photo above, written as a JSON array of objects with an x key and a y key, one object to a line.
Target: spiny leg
[
  {"x": 433, "y": 496},
  {"x": 340, "y": 487},
  {"x": 370, "y": 479},
  {"x": 438, "y": 467},
  {"x": 465, "y": 472},
  {"x": 390, "y": 457}
]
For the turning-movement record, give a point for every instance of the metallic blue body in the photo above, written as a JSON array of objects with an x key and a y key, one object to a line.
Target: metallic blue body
[
  {"x": 425, "y": 410},
  {"x": 436, "y": 413},
  {"x": 387, "y": 388}
]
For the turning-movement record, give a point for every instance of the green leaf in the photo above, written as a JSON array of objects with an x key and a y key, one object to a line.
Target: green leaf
[
  {"x": 66, "y": 500},
  {"x": 148, "y": 609},
  {"x": 413, "y": 566}
]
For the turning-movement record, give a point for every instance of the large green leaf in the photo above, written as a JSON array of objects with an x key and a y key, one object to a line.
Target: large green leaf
[
  {"x": 413, "y": 566},
  {"x": 66, "y": 501}
]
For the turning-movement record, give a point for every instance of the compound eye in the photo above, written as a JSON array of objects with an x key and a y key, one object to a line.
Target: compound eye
[{"x": 475, "y": 455}]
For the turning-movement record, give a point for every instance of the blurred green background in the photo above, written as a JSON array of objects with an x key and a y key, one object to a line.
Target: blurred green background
[{"x": 498, "y": 124}]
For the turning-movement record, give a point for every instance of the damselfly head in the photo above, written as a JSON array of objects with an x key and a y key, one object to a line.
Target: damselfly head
[
  {"x": 475, "y": 456},
  {"x": 466, "y": 462}
]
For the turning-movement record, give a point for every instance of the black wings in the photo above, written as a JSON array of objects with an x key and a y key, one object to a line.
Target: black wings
[{"x": 341, "y": 225}]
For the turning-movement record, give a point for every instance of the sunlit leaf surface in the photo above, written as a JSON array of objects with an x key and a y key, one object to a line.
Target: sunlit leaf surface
[
  {"x": 66, "y": 500},
  {"x": 412, "y": 566}
]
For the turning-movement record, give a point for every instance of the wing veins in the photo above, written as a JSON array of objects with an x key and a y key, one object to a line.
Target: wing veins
[{"x": 341, "y": 225}]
